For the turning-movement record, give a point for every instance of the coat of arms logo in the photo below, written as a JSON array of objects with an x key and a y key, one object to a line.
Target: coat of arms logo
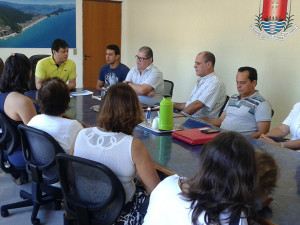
[{"x": 274, "y": 20}]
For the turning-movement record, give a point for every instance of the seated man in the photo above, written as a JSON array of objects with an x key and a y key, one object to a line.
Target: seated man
[
  {"x": 113, "y": 71},
  {"x": 145, "y": 78},
  {"x": 209, "y": 94},
  {"x": 247, "y": 112},
  {"x": 57, "y": 65}
]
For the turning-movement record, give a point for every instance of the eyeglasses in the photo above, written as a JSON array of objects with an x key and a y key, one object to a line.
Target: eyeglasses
[{"x": 140, "y": 58}]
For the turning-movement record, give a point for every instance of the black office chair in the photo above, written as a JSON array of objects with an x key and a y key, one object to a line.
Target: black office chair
[
  {"x": 222, "y": 109},
  {"x": 9, "y": 141},
  {"x": 39, "y": 149},
  {"x": 93, "y": 194},
  {"x": 169, "y": 86},
  {"x": 1, "y": 65},
  {"x": 33, "y": 61}
]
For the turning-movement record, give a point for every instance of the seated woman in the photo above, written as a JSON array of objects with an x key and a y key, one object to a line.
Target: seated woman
[
  {"x": 112, "y": 144},
  {"x": 289, "y": 125},
  {"x": 223, "y": 190},
  {"x": 17, "y": 107},
  {"x": 54, "y": 98}
]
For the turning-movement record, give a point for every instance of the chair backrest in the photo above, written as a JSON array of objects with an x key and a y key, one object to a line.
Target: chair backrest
[
  {"x": 39, "y": 149},
  {"x": 169, "y": 86},
  {"x": 1, "y": 65},
  {"x": 93, "y": 193},
  {"x": 222, "y": 109},
  {"x": 9, "y": 138},
  {"x": 33, "y": 61}
]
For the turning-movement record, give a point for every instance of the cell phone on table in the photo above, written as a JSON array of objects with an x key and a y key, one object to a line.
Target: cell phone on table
[{"x": 210, "y": 131}]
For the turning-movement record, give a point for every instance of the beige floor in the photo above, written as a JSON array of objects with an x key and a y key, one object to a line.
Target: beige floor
[{"x": 9, "y": 193}]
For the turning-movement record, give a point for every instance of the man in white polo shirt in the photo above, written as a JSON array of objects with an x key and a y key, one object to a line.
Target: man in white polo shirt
[{"x": 146, "y": 79}]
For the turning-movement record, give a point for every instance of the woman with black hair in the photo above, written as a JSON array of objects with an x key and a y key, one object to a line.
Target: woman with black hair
[
  {"x": 223, "y": 190},
  {"x": 14, "y": 105},
  {"x": 53, "y": 98}
]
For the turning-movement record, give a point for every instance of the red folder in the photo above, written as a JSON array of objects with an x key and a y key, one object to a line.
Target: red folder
[{"x": 194, "y": 136}]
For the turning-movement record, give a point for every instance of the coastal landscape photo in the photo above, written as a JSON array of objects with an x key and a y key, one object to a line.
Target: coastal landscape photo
[{"x": 35, "y": 24}]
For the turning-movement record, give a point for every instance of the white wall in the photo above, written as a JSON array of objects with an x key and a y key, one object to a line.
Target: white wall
[{"x": 177, "y": 30}]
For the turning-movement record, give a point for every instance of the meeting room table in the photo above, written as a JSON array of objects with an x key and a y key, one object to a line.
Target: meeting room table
[{"x": 173, "y": 156}]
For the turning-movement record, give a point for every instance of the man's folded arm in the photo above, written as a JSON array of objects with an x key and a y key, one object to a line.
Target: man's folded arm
[{"x": 143, "y": 89}]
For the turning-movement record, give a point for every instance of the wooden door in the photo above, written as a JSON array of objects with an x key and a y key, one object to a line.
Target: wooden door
[{"x": 101, "y": 27}]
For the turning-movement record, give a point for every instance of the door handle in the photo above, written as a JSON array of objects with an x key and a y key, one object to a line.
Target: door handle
[{"x": 86, "y": 56}]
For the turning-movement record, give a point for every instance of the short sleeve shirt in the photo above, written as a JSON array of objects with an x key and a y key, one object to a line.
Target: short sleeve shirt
[
  {"x": 113, "y": 76},
  {"x": 293, "y": 121},
  {"x": 211, "y": 91},
  {"x": 151, "y": 76},
  {"x": 242, "y": 115},
  {"x": 47, "y": 67}
]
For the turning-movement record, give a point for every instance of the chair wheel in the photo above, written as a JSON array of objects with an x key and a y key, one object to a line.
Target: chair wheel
[
  {"x": 4, "y": 213},
  {"x": 35, "y": 221}
]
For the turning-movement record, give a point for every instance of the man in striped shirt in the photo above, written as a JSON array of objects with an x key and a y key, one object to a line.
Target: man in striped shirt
[
  {"x": 209, "y": 94},
  {"x": 247, "y": 112}
]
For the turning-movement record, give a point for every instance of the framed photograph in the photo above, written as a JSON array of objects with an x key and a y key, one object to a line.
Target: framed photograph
[{"x": 35, "y": 24}]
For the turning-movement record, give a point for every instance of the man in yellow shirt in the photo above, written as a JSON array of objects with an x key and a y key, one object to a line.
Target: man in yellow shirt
[{"x": 57, "y": 65}]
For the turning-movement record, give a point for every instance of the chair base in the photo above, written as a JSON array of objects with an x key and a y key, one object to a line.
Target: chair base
[{"x": 35, "y": 202}]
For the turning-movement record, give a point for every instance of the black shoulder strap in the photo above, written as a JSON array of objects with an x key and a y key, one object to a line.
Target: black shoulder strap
[{"x": 235, "y": 222}]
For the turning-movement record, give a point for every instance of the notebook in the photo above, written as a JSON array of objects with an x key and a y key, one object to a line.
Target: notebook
[{"x": 194, "y": 136}]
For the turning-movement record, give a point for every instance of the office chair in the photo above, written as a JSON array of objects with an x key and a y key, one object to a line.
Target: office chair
[
  {"x": 169, "y": 86},
  {"x": 9, "y": 141},
  {"x": 1, "y": 65},
  {"x": 39, "y": 149},
  {"x": 33, "y": 61},
  {"x": 222, "y": 109},
  {"x": 92, "y": 193}
]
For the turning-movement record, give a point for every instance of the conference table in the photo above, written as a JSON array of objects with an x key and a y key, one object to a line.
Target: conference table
[{"x": 173, "y": 156}]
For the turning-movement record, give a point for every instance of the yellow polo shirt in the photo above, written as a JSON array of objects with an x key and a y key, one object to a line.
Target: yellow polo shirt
[{"x": 46, "y": 68}]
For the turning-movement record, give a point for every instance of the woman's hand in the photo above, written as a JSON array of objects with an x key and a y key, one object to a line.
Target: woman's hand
[{"x": 266, "y": 139}]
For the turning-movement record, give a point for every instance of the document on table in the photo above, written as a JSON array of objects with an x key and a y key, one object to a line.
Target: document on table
[
  {"x": 81, "y": 93},
  {"x": 96, "y": 97},
  {"x": 95, "y": 108}
]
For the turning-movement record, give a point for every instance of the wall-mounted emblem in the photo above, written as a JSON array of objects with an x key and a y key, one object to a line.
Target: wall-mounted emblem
[{"x": 274, "y": 20}]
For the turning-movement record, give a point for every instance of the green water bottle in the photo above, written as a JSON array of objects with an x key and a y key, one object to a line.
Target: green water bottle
[{"x": 166, "y": 113}]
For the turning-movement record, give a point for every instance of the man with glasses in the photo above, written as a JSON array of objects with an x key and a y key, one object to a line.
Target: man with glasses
[
  {"x": 146, "y": 79},
  {"x": 114, "y": 71},
  {"x": 209, "y": 94},
  {"x": 57, "y": 65}
]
